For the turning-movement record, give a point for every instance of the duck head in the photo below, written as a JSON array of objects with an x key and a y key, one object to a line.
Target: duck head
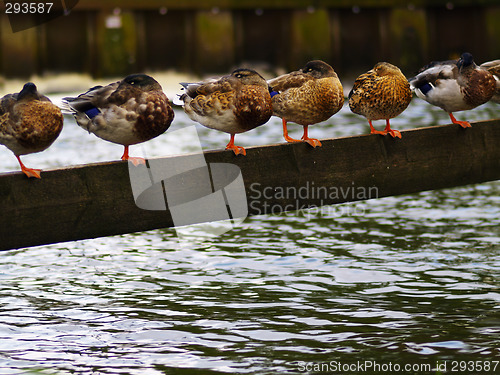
[
  {"x": 465, "y": 61},
  {"x": 386, "y": 69},
  {"x": 318, "y": 69},
  {"x": 142, "y": 81},
  {"x": 29, "y": 92},
  {"x": 249, "y": 77}
]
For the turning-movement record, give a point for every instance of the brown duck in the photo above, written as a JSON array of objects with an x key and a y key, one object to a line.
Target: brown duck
[
  {"x": 307, "y": 96},
  {"x": 380, "y": 94},
  {"x": 29, "y": 123},
  {"x": 233, "y": 104}
]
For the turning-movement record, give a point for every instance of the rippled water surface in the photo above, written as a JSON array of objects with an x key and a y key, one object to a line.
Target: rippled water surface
[{"x": 409, "y": 280}]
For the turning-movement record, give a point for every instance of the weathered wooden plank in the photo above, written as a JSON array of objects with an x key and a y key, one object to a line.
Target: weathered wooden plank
[{"x": 96, "y": 200}]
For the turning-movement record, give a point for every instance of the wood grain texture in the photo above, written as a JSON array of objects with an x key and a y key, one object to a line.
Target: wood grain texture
[{"x": 96, "y": 200}]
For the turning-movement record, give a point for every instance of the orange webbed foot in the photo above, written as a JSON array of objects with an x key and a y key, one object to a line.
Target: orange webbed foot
[
  {"x": 388, "y": 130},
  {"x": 30, "y": 172},
  {"x": 238, "y": 150},
  {"x": 395, "y": 134},
  {"x": 135, "y": 160},
  {"x": 290, "y": 139},
  {"x": 463, "y": 124},
  {"x": 373, "y": 131},
  {"x": 312, "y": 141}
]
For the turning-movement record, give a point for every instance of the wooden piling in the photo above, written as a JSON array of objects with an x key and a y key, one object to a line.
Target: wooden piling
[
  {"x": 493, "y": 31},
  {"x": 96, "y": 200},
  {"x": 116, "y": 43},
  {"x": 310, "y": 36},
  {"x": 408, "y": 38},
  {"x": 210, "y": 36},
  {"x": 214, "y": 40},
  {"x": 18, "y": 51}
]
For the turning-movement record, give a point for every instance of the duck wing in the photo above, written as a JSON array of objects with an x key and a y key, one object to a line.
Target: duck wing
[
  {"x": 209, "y": 86},
  {"x": 431, "y": 74},
  {"x": 494, "y": 68},
  {"x": 289, "y": 80},
  {"x": 7, "y": 102},
  {"x": 96, "y": 97}
]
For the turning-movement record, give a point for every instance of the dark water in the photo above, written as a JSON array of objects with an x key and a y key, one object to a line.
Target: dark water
[{"x": 404, "y": 284}]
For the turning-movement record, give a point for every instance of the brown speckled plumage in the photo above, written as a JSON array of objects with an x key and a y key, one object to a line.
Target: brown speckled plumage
[
  {"x": 481, "y": 89},
  {"x": 153, "y": 120},
  {"x": 381, "y": 93},
  {"x": 494, "y": 68},
  {"x": 29, "y": 123},
  {"x": 127, "y": 112},
  {"x": 310, "y": 95},
  {"x": 234, "y": 104}
]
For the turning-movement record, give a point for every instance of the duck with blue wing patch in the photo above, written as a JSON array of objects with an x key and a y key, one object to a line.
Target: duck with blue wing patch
[
  {"x": 127, "y": 112},
  {"x": 454, "y": 85}
]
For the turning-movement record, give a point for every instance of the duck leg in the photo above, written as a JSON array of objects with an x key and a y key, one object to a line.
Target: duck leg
[
  {"x": 463, "y": 124},
  {"x": 136, "y": 161},
  {"x": 285, "y": 133},
  {"x": 30, "y": 172},
  {"x": 236, "y": 149},
  {"x": 312, "y": 141},
  {"x": 373, "y": 131},
  {"x": 393, "y": 133}
]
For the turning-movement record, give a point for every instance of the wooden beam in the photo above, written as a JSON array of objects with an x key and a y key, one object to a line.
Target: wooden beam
[{"x": 97, "y": 200}]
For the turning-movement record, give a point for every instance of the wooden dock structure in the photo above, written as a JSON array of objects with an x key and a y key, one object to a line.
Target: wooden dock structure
[
  {"x": 116, "y": 38},
  {"x": 95, "y": 200}
]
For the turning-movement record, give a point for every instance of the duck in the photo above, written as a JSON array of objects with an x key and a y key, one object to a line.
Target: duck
[
  {"x": 235, "y": 103},
  {"x": 29, "y": 123},
  {"x": 126, "y": 112},
  {"x": 494, "y": 68},
  {"x": 454, "y": 85},
  {"x": 382, "y": 93},
  {"x": 306, "y": 97}
]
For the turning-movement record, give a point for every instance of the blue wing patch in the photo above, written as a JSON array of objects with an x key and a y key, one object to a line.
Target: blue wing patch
[
  {"x": 92, "y": 112},
  {"x": 274, "y": 93},
  {"x": 425, "y": 88}
]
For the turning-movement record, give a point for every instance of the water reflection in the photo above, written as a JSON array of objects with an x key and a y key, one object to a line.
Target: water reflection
[{"x": 411, "y": 279}]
